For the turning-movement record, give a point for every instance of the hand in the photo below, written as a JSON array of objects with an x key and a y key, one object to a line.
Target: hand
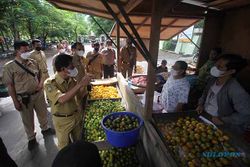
[
  {"x": 217, "y": 121},
  {"x": 200, "y": 109},
  {"x": 135, "y": 70},
  {"x": 18, "y": 105},
  {"x": 85, "y": 80},
  {"x": 39, "y": 87}
]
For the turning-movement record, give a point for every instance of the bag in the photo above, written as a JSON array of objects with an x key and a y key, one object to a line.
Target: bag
[{"x": 25, "y": 99}]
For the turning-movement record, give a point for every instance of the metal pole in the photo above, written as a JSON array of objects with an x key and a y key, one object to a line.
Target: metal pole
[
  {"x": 124, "y": 14},
  {"x": 191, "y": 40},
  {"x": 118, "y": 46},
  {"x": 103, "y": 30},
  {"x": 126, "y": 31}
]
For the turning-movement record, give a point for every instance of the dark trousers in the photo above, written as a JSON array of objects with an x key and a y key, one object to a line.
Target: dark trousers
[
  {"x": 5, "y": 159},
  {"x": 108, "y": 71}
]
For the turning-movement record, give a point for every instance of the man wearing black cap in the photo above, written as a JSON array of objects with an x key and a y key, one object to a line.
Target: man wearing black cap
[
  {"x": 22, "y": 77},
  {"x": 38, "y": 55}
]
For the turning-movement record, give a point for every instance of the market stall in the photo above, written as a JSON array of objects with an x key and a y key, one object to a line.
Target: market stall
[{"x": 155, "y": 20}]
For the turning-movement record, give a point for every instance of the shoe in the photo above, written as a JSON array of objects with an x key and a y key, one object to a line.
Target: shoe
[
  {"x": 48, "y": 132},
  {"x": 32, "y": 144}
]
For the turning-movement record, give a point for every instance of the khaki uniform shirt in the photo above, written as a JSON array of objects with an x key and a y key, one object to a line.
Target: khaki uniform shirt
[
  {"x": 108, "y": 56},
  {"x": 23, "y": 81},
  {"x": 55, "y": 86},
  {"x": 78, "y": 64},
  {"x": 95, "y": 67},
  {"x": 128, "y": 55},
  {"x": 40, "y": 57}
]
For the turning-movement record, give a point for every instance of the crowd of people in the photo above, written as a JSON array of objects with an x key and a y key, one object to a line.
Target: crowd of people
[{"x": 27, "y": 79}]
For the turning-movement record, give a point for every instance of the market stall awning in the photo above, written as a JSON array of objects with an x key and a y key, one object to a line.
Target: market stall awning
[{"x": 183, "y": 15}]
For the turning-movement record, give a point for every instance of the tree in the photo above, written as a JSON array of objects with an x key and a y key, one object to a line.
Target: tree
[{"x": 105, "y": 23}]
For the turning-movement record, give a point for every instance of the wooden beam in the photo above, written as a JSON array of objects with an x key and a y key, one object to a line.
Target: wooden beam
[
  {"x": 57, "y": 5},
  {"x": 172, "y": 22},
  {"x": 130, "y": 6},
  {"x": 118, "y": 47},
  {"x": 153, "y": 50},
  {"x": 142, "y": 23}
]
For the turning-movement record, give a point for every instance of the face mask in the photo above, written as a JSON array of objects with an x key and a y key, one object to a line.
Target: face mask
[
  {"x": 80, "y": 52},
  {"x": 216, "y": 72},
  {"x": 62, "y": 50},
  {"x": 25, "y": 55},
  {"x": 73, "y": 73},
  {"x": 174, "y": 72},
  {"x": 109, "y": 47},
  {"x": 38, "y": 48}
]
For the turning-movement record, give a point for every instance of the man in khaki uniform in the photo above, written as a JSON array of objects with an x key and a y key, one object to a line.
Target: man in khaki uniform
[
  {"x": 38, "y": 55},
  {"x": 22, "y": 76},
  {"x": 108, "y": 60},
  {"x": 79, "y": 62},
  {"x": 95, "y": 62},
  {"x": 62, "y": 90},
  {"x": 127, "y": 59}
]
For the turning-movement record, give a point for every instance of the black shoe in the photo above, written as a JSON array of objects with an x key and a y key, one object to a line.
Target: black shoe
[
  {"x": 32, "y": 144},
  {"x": 48, "y": 132}
]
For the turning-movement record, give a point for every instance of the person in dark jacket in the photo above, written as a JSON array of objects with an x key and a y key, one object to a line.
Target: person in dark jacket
[
  {"x": 78, "y": 154},
  {"x": 224, "y": 98}
]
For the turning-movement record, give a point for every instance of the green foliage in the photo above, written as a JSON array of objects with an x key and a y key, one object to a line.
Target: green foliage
[
  {"x": 105, "y": 23},
  {"x": 22, "y": 19},
  {"x": 169, "y": 45},
  {"x": 200, "y": 24}
]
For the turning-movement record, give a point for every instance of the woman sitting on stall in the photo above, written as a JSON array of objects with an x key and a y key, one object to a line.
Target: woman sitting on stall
[
  {"x": 224, "y": 98},
  {"x": 175, "y": 91}
]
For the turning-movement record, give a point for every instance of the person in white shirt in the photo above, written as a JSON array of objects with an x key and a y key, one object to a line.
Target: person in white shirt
[{"x": 175, "y": 91}]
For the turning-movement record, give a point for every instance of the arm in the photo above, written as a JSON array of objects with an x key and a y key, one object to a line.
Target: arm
[
  {"x": 8, "y": 81},
  {"x": 12, "y": 93},
  {"x": 183, "y": 92},
  {"x": 240, "y": 101},
  {"x": 70, "y": 94}
]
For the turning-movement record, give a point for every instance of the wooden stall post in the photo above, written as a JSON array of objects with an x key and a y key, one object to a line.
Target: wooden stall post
[
  {"x": 118, "y": 47},
  {"x": 210, "y": 37},
  {"x": 153, "y": 50}
]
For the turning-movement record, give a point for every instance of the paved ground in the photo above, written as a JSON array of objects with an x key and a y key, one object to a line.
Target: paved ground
[{"x": 14, "y": 137}]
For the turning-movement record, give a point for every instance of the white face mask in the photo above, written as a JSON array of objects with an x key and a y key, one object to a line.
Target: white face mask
[
  {"x": 73, "y": 73},
  {"x": 109, "y": 47},
  {"x": 80, "y": 52},
  {"x": 25, "y": 55},
  {"x": 62, "y": 50},
  {"x": 173, "y": 72},
  {"x": 216, "y": 72}
]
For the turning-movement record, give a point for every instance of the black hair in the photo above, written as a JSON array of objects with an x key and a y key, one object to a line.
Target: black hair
[
  {"x": 183, "y": 65},
  {"x": 35, "y": 41},
  {"x": 78, "y": 154},
  {"x": 75, "y": 45},
  {"x": 164, "y": 61},
  {"x": 19, "y": 44},
  {"x": 234, "y": 61},
  {"x": 62, "y": 60}
]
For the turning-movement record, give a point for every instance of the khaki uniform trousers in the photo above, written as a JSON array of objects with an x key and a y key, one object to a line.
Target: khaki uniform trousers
[
  {"x": 126, "y": 69},
  {"x": 67, "y": 127},
  {"x": 37, "y": 103}
]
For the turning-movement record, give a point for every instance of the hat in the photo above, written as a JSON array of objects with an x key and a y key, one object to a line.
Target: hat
[
  {"x": 78, "y": 154},
  {"x": 18, "y": 44}
]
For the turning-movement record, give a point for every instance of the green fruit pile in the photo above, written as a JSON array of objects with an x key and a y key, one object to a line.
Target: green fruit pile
[
  {"x": 93, "y": 116},
  {"x": 189, "y": 139},
  {"x": 119, "y": 157},
  {"x": 122, "y": 123}
]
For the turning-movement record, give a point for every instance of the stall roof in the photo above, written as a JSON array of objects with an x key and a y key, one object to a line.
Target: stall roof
[{"x": 183, "y": 15}]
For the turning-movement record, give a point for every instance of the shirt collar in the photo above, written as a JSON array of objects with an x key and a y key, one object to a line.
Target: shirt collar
[{"x": 60, "y": 80}]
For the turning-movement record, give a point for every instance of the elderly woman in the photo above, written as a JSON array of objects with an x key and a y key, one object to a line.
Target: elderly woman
[{"x": 175, "y": 91}]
